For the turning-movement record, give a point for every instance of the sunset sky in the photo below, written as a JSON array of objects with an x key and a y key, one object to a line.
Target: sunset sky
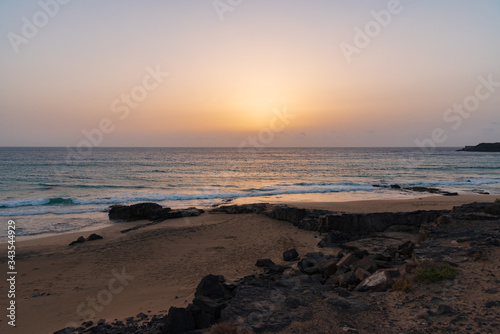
[{"x": 232, "y": 67}]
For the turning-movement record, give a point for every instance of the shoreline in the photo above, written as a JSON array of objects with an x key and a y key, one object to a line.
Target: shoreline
[
  {"x": 396, "y": 204},
  {"x": 167, "y": 261}
]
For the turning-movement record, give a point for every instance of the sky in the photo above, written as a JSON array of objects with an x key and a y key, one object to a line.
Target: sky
[{"x": 231, "y": 73}]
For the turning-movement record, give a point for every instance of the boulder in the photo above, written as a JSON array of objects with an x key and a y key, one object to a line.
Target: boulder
[
  {"x": 309, "y": 266},
  {"x": 406, "y": 248},
  {"x": 366, "y": 263},
  {"x": 334, "y": 239},
  {"x": 380, "y": 281},
  {"x": 210, "y": 298},
  {"x": 269, "y": 265},
  {"x": 327, "y": 267},
  {"x": 212, "y": 286},
  {"x": 149, "y": 211},
  {"x": 347, "y": 260},
  {"x": 360, "y": 274},
  {"x": 179, "y": 320},
  {"x": 346, "y": 279},
  {"x": 135, "y": 212}
]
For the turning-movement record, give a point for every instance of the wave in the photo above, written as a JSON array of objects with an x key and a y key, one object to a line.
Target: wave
[
  {"x": 43, "y": 211},
  {"x": 208, "y": 193},
  {"x": 97, "y": 186},
  {"x": 37, "y": 202},
  {"x": 59, "y": 205},
  {"x": 470, "y": 181}
]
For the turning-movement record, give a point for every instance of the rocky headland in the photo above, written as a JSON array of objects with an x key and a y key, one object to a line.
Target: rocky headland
[{"x": 483, "y": 147}]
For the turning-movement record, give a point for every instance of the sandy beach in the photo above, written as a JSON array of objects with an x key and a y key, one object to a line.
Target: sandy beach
[{"x": 151, "y": 269}]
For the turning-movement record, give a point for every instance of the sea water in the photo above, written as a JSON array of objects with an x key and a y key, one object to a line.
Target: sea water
[{"x": 51, "y": 190}]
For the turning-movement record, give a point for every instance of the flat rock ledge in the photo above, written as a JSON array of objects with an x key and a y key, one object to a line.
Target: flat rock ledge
[{"x": 352, "y": 224}]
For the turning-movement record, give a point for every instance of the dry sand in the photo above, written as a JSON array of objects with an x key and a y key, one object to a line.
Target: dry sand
[{"x": 166, "y": 261}]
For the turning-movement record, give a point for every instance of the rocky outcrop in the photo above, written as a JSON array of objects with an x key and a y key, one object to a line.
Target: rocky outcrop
[
  {"x": 81, "y": 239},
  {"x": 334, "y": 239},
  {"x": 149, "y": 211},
  {"x": 483, "y": 147},
  {"x": 324, "y": 220},
  {"x": 432, "y": 191},
  {"x": 354, "y": 224},
  {"x": 302, "y": 218}
]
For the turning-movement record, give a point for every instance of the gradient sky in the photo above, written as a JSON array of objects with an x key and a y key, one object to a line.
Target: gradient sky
[{"x": 228, "y": 77}]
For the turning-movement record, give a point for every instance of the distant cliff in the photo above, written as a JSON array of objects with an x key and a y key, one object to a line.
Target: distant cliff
[{"x": 483, "y": 147}]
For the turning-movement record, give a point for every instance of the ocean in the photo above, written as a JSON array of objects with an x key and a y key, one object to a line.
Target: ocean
[{"x": 54, "y": 190}]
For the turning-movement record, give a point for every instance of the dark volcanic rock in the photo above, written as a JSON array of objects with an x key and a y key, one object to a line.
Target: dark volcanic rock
[
  {"x": 376, "y": 222},
  {"x": 269, "y": 265},
  {"x": 94, "y": 236},
  {"x": 286, "y": 213},
  {"x": 334, "y": 239},
  {"x": 211, "y": 297},
  {"x": 241, "y": 209},
  {"x": 179, "y": 320},
  {"x": 77, "y": 241},
  {"x": 263, "y": 263},
  {"x": 149, "y": 211},
  {"x": 483, "y": 147},
  {"x": 212, "y": 286},
  {"x": 138, "y": 211},
  {"x": 324, "y": 221},
  {"x": 310, "y": 264},
  {"x": 432, "y": 191},
  {"x": 290, "y": 255}
]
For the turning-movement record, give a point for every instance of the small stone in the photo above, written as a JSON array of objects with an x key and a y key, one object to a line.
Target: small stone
[
  {"x": 87, "y": 324},
  {"x": 141, "y": 316},
  {"x": 77, "y": 241},
  {"x": 380, "y": 281},
  {"x": 290, "y": 255},
  {"x": 94, "y": 236},
  {"x": 264, "y": 263}
]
